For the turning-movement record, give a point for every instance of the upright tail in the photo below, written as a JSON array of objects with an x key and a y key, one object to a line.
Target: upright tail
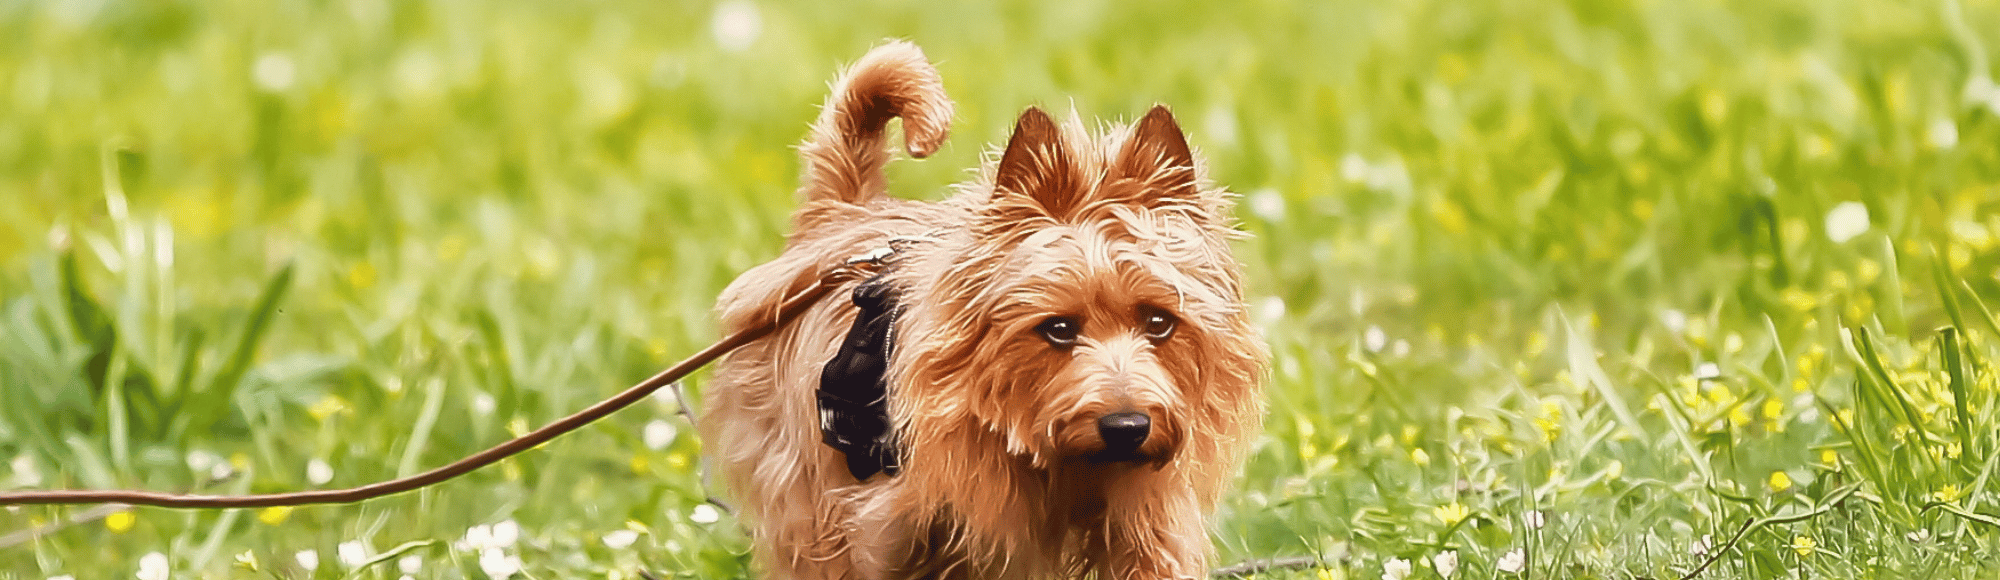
[{"x": 845, "y": 153}]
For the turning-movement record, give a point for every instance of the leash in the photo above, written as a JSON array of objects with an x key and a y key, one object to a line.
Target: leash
[{"x": 792, "y": 307}]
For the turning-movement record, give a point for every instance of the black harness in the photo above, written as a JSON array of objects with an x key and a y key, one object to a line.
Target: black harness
[{"x": 854, "y": 388}]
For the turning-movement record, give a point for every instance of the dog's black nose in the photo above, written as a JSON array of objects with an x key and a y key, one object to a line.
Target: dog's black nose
[{"x": 1123, "y": 432}]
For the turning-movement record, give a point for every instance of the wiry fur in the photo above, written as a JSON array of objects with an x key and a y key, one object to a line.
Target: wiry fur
[{"x": 997, "y": 425}]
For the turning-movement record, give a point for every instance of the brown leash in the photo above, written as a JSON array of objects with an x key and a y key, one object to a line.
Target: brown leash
[{"x": 787, "y": 310}]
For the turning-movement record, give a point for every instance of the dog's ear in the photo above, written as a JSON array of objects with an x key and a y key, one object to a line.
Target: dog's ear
[
  {"x": 1158, "y": 157},
  {"x": 1037, "y": 167}
]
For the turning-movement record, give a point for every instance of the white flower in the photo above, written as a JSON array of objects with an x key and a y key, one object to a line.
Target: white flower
[
  {"x": 274, "y": 72},
  {"x": 1396, "y": 569},
  {"x": 1942, "y": 134},
  {"x": 1353, "y": 167},
  {"x": 318, "y": 472},
  {"x": 1701, "y": 547},
  {"x": 736, "y": 25},
  {"x": 659, "y": 433},
  {"x": 308, "y": 559},
  {"x": 1374, "y": 338},
  {"x": 1512, "y": 562},
  {"x": 1446, "y": 563},
  {"x": 153, "y": 566},
  {"x": 26, "y": 473},
  {"x": 1675, "y": 320},
  {"x": 1920, "y": 536},
  {"x": 1268, "y": 204},
  {"x": 1534, "y": 519},
  {"x": 483, "y": 404},
  {"x": 704, "y": 514},
  {"x": 1707, "y": 371},
  {"x": 667, "y": 396},
  {"x": 1847, "y": 220},
  {"x": 410, "y": 564},
  {"x": 498, "y": 563},
  {"x": 506, "y": 533},
  {"x": 620, "y": 539},
  {"x": 62, "y": 577},
  {"x": 353, "y": 553}
]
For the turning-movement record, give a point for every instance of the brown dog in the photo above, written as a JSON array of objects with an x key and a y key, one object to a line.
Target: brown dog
[{"x": 1053, "y": 375}]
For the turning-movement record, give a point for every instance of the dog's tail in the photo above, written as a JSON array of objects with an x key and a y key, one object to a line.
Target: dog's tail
[{"x": 845, "y": 153}]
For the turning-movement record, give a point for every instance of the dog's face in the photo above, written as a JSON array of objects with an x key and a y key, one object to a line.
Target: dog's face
[{"x": 1096, "y": 315}]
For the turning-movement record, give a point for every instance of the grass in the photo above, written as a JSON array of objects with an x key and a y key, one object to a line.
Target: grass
[{"x": 1597, "y": 282}]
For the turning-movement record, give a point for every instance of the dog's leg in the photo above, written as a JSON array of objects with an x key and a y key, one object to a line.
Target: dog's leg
[{"x": 845, "y": 153}]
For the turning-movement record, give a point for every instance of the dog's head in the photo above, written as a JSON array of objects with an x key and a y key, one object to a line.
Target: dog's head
[{"x": 1095, "y": 313}]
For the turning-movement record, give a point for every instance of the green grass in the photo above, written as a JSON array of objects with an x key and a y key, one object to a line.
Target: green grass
[{"x": 1567, "y": 262}]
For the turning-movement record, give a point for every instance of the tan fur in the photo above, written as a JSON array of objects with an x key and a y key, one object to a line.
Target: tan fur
[{"x": 997, "y": 424}]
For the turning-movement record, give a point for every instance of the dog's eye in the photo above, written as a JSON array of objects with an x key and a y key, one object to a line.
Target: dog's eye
[
  {"x": 1060, "y": 331},
  {"x": 1158, "y": 325}
]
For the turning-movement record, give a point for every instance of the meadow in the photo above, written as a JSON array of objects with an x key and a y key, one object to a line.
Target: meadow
[{"x": 1566, "y": 289}]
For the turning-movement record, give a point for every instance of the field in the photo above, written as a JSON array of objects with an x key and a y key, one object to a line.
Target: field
[{"x": 1586, "y": 289}]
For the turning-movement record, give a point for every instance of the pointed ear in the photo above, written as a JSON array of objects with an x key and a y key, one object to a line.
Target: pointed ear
[
  {"x": 1038, "y": 166},
  {"x": 1158, "y": 156}
]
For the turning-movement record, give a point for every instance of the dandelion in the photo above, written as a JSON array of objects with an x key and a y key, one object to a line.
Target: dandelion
[
  {"x": 1513, "y": 562},
  {"x": 308, "y": 559},
  {"x": 1845, "y": 221},
  {"x": 1451, "y": 514},
  {"x": 1780, "y": 481},
  {"x": 1803, "y": 545},
  {"x": 658, "y": 434},
  {"x": 1446, "y": 563},
  {"x": 1534, "y": 519},
  {"x": 120, "y": 521},
  {"x": 620, "y": 539},
  {"x": 153, "y": 566},
  {"x": 704, "y": 514},
  {"x": 1396, "y": 569}
]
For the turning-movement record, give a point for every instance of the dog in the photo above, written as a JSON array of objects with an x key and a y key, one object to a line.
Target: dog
[{"x": 1052, "y": 374}]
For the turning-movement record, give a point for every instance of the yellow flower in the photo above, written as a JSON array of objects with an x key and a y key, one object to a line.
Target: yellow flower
[
  {"x": 1420, "y": 458},
  {"x": 120, "y": 521},
  {"x": 1803, "y": 545},
  {"x": 1780, "y": 481},
  {"x": 1829, "y": 457},
  {"x": 1451, "y": 514},
  {"x": 1329, "y": 574},
  {"x": 1948, "y": 493},
  {"x": 1773, "y": 409},
  {"x": 639, "y": 463},
  {"x": 328, "y": 406},
  {"x": 274, "y": 515}
]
